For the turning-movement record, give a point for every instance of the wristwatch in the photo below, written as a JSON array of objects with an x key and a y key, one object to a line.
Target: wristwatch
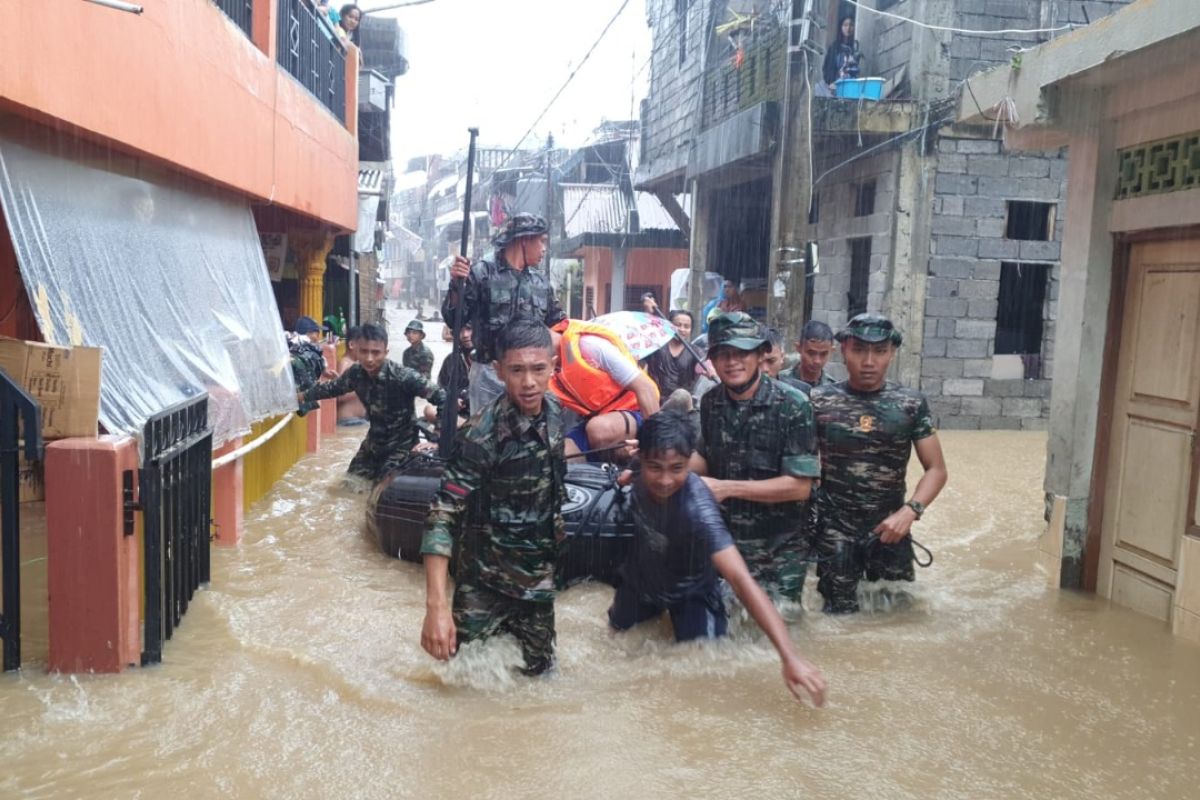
[{"x": 917, "y": 507}]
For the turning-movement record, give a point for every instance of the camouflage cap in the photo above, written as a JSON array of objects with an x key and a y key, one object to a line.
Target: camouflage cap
[
  {"x": 735, "y": 329},
  {"x": 519, "y": 225},
  {"x": 415, "y": 325},
  {"x": 872, "y": 328}
]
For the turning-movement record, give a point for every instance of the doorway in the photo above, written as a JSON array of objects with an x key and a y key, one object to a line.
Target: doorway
[{"x": 1148, "y": 507}]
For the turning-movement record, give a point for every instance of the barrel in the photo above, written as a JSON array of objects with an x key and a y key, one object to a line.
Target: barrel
[{"x": 598, "y": 517}]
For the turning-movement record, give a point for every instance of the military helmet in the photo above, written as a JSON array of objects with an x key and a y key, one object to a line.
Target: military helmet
[
  {"x": 415, "y": 325},
  {"x": 735, "y": 329},
  {"x": 871, "y": 328},
  {"x": 519, "y": 225}
]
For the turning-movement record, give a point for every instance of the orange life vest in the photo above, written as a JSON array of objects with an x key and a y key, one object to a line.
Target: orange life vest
[{"x": 584, "y": 389}]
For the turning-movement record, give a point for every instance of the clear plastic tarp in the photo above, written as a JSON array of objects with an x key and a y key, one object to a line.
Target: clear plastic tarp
[{"x": 168, "y": 278}]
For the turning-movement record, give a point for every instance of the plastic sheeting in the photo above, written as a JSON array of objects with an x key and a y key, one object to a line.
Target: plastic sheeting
[{"x": 169, "y": 280}]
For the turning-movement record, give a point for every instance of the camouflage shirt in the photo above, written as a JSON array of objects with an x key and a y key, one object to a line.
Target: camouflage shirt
[
  {"x": 866, "y": 440},
  {"x": 517, "y": 463},
  {"x": 496, "y": 294},
  {"x": 794, "y": 373},
  {"x": 389, "y": 399},
  {"x": 420, "y": 358},
  {"x": 768, "y": 435}
]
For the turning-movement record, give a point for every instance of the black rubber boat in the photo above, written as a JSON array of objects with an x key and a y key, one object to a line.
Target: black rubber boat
[{"x": 598, "y": 516}]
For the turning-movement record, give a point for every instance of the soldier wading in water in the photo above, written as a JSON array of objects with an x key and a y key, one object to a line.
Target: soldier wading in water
[
  {"x": 867, "y": 429},
  {"x": 510, "y": 454},
  {"x": 388, "y": 391},
  {"x": 758, "y": 448}
]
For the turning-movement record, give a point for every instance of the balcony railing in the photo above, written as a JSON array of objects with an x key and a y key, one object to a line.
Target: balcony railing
[
  {"x": 313, "y": 54},
  {"x": 240, "y": 11}
]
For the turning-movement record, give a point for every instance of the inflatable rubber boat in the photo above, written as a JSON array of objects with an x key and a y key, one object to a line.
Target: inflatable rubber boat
[{"x": 597, "y": 512}]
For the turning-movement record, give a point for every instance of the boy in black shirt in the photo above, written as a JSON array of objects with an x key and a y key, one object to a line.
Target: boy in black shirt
[{"x": 682, "y": 546}]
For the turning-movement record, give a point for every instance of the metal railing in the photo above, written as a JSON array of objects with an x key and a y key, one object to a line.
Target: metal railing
[
  {"x": 176, "y": 484},
  {"x": 16, "y": 406},
  {"x": 310, "y": 50},
  {"x": 240, "y": 11}
]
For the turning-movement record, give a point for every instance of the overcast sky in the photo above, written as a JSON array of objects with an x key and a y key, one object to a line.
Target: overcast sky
[{"x": 495, "y": 64}]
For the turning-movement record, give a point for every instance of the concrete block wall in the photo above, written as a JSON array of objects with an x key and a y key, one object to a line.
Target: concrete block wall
[
  {"x": 668, "y": 113},
  {"x": 970, "y": 53},
  {"x": 886, "y": 42},
  {"x": 837, "y": 225},
  {"x": 975, "y": 180}
]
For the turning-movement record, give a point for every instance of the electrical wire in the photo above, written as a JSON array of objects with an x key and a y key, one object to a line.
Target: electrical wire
[
  {"x": 967, "y": 31},
  {"x": 566, "y": 83},
  {"x": 911, "y": 133}
]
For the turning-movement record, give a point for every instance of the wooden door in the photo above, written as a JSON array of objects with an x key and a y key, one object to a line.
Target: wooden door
[{"x": 1155, "y": 413}]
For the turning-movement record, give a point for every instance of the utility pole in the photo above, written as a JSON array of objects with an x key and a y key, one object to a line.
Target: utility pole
[{"x": 792, "y": 190}]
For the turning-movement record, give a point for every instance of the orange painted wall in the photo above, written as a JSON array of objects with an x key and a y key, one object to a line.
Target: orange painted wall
[
  {"x": 643, "y": 267},
  {"x": 181, "y": 83}
]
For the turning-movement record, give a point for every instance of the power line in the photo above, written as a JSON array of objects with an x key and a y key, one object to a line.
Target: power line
[
  {"x": 565, "y": 84},
  {"x": 967, "y": 31}
]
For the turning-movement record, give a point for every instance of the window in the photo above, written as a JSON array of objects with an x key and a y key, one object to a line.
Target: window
[
  {"x": 864, "y": 198},
  {"x": 681, "y": 20},
  {"x": 1030, "y": 221},
  {"x": 634, "y": 292},
  {"x": 1021, "y": 312},
  {"x": 860, "y": 275}
]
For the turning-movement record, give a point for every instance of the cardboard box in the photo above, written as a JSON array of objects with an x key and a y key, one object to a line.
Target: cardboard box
[
  {"x": 65, "y": 381},
  {"x": 31, "y": 481}
]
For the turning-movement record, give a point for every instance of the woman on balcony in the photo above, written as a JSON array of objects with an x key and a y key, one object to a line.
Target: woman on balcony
[
  {"x": 843, "y": 59},
  {"x": 351, "y": 16}
]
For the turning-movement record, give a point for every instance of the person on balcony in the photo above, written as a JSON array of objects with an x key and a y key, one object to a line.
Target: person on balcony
[
  {"x": 350, "y": 16},
  {"x": 843, "y": 59}
]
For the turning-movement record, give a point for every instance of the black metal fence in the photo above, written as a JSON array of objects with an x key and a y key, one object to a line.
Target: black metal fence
[
  {"x": 310, "y": 50},
  {"x": 240, "y": 11},
  {"x": 16, "y": 407},
  {"x": 175, "y": 483}
]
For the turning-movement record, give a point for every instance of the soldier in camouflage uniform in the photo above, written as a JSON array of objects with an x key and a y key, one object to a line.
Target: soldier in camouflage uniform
[
  {"x": 510, "y": 457},
  {"x": 417, "y": 355},
  {"x": 758, "y": 449},
  {"x": 867, "y": 428},
  {"x": 388, "y": 392},
  {"x": 499, "y": 291},
  {"x": 813, "y": 349}
]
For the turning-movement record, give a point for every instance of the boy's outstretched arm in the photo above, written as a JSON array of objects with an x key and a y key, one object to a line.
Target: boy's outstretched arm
[{"x": 797, "y": 671}]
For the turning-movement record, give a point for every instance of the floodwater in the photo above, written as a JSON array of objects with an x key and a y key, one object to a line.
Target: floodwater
[{"x": 298, "y": 673}]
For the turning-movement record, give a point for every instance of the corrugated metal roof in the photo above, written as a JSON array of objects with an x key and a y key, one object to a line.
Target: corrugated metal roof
[{"x": 603, "y": 208}]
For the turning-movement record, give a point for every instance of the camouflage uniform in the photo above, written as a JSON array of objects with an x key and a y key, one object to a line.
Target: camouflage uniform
[
  {"x": 495, "y": 294},
  {"x": 388, "y": 398},
  {"x": 866, "y": 439},
  {"x": 420, "y": 358},
  {"x": 794, "y": 374},
  {"x": 505, "y": 579},
  {"x": 768, "y": 435}
]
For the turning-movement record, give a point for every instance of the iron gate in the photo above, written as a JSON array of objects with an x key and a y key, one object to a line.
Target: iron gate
[
  {"x": 175, "y": 483},
  {"x": 15, "y": 407}
]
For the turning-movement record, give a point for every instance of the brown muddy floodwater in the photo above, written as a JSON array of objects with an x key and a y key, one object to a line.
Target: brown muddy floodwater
[{"x": 299, "y": 673}]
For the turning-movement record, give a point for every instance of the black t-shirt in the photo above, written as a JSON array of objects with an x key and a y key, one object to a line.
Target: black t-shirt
[
  {"x": 674, "y": 543},
  {"x": 672, "y": 372}
]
